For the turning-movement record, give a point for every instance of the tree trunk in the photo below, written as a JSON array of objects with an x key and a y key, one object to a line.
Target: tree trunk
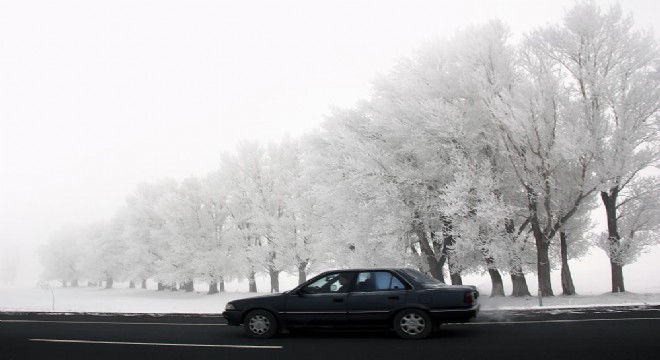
[
  {"x": 274, "y": 280},
  {"x": 435, "y": 266},
  {"x": 221, "y": 284},
  {"x": 519, "y": 284},
  {"x": 495, "y": 279},
  {"x": 131, "y": 284},
  {"x": 517, "y": 275},
  {"x": 109, "y": 282},
  {"x": 63, "y": 283},
  {"x": 74, "y": 283},
  {"x": 144, "y": 283},
  {"x": 456, "y": 278},
  {"x": 213, "y": 288},
  {"x": 617, "y": 278},
  {"x": 161, "y": 286},
  {"x": 542, "y": 249},
  {"x": 440, "y": 249},
  {"x": 566, "y": 279},
  {"x": 448, "y": 242},
  {"x": 609, "y": 200},
  {"x": 302, "y": 272},
  {"x": 543, "y": 267},
  {"x": 188, "y": 286},
  {"x": 252, "y": 282},
  {"x": 454, "y": 272}
]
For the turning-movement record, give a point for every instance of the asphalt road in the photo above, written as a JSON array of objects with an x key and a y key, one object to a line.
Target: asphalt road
[{"x": 603, "y": 333}]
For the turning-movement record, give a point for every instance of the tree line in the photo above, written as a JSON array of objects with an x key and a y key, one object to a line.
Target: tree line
[{"x": 477, "y": 153}]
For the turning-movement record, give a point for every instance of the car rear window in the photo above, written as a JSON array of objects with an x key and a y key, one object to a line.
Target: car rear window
[{"x": 425, "y": 280}]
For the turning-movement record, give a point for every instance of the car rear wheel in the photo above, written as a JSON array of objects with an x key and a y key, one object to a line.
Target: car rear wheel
[
  {"x": 260, "y": 324},
  {"x": 413, "y": 324}
]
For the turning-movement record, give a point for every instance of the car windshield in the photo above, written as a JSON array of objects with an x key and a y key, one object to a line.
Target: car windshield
[{"x": 423, "y": 279}]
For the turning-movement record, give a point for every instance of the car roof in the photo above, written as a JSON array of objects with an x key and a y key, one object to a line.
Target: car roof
[{"x": 366, "y": 269}]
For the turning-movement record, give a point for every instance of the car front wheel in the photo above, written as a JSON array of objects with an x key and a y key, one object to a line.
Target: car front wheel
[
  {"x": 260, "y": 324},
  {"x": 413, "y": 324}
]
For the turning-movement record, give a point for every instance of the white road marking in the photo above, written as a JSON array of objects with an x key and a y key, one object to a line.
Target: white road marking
[
  {"x": 159, "y": 344},
  {"x": 550, "y": 321},
  {"x": 106, "y": 322}
]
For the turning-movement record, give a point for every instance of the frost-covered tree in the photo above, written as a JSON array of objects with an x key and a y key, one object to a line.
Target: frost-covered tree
[
  {"x": 543, "y": 137},
  {"x": 298, "y": 226},
  {"x": 479, "y": 218},
  {"x": 364, "y": 219},
  {"x": 188, "y": 231},
  {"x": 612, "y": 70},
  {"x": 62, "y": 256},
  {"x": 638, "y": 212},
  {"x": 481, "y": 62},
  {"x": 105, "y": 249},
  {"x": 433, "y": 101},
  {"x": 143, "y": 223},
  {"x": 242, "y": 180},
  {"x": 407, "y": 149},
  {"x": 9, "y": 264},
  {"x": 215, "y": 262},
  {"x": 276, "y": 172}
]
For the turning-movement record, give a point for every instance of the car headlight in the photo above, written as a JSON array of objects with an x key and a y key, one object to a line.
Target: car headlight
[{"x": 230, "y": 306}]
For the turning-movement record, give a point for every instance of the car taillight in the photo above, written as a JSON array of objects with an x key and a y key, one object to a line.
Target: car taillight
[{"x": 469, "y": 298}]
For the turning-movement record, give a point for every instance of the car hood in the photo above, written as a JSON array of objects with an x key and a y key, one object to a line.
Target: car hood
[{"x": 257, "y": 299}]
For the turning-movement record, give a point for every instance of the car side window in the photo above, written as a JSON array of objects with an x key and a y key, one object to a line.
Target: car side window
[
  {"x": 378, "y": 281},
  {"x": 330, "y": 284}
]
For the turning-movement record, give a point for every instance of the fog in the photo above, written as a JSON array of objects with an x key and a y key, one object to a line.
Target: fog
[{"x": 97, "y": 97}]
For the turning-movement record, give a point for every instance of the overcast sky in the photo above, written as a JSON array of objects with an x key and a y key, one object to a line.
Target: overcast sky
[{"x": 99, "y": 96}]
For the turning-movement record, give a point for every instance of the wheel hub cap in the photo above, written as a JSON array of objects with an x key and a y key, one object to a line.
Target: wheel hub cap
[
  {"x": 259, "y": 324},
  {"x": 412, "y": 324}
]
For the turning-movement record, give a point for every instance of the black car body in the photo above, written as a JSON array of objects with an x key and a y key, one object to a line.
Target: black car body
[{"x": 406, "y": 300}]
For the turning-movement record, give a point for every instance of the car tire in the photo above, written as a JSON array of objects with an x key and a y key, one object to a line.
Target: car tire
[
  {"x": 413, "y": 324},
  {"x": 260, "y": 324}
]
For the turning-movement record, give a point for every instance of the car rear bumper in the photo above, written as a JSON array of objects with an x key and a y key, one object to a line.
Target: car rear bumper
[
  {"x": 455, "y": 314},
  {"x": 233, "y": 317}
]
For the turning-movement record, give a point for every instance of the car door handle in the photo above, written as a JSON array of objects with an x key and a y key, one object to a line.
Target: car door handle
[
  {"x": 392, "y": 298},
  {"x": 338, "y": 300}
]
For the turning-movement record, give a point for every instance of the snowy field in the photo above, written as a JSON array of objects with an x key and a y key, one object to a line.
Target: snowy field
[
  {"x": 124, "y": 300},
  {"x": 590, "y": 275}
]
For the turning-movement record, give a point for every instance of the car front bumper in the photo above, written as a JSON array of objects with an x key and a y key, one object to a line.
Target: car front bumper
[{"x": 233, "y": 317}]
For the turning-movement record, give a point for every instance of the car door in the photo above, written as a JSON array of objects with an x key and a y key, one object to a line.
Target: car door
[
  {"x": 321, "y": 303},
  {"x": 376, "y": 295}
]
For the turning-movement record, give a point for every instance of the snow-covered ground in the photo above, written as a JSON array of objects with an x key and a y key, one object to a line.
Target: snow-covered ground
[
  {"x": 590, "y": 276},
  {"x": 124, "y": 300}
]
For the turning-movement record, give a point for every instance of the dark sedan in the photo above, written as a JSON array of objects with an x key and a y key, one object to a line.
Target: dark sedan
[{"x": 406, "y": 300}]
